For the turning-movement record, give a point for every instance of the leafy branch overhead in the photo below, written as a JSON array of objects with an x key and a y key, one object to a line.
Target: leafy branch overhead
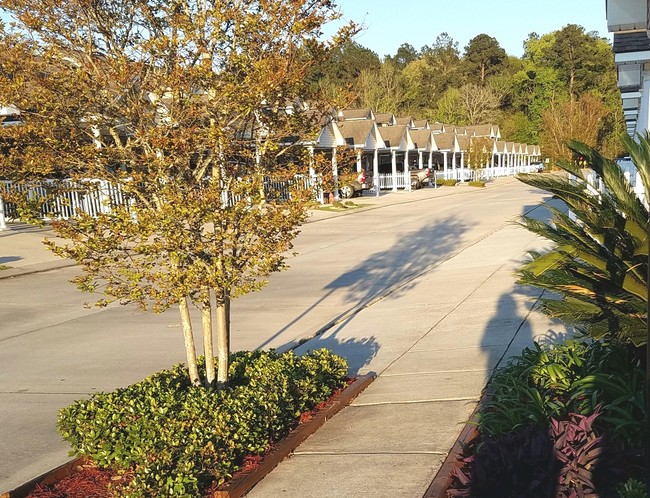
[
  {"x": 194, "y": 113},
  {"x": 598, "y": 266}
]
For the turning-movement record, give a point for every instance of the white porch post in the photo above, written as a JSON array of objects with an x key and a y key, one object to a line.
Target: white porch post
[
  {"x": 3, "y": 223},
  {"x": 359, "y": 161},
  {"x": 420, "y": 162},
  {"x": 407, "y": 173},
  {"x": 375, "y": 171},
  {"x": 454, "y": 172},
  {"x": 430, "y": 159},
  {"x": 312, "y": 176},
  {"x": 462, "y": 166},
  {"x": 444, "y": 162},
  {"x": 393, "y": 163},
  {"x": 335, "y": 175}
]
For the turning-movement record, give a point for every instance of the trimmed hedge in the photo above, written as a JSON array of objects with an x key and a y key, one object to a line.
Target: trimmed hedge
[
  {"x": 448, "y": 183},
  {"x": 177, "y": 439},
  {"x": 476, "y": 183}
]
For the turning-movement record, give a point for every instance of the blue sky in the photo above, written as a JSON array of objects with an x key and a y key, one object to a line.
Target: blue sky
[{"x": 390, "y": 23}]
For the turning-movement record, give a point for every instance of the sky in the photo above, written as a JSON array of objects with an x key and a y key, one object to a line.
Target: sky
[{"x": 389, "y": 23}]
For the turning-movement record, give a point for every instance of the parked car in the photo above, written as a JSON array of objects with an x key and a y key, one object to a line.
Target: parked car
[
  {"x": 420, "y": 177},
  {"x": 355, "y": 188}
]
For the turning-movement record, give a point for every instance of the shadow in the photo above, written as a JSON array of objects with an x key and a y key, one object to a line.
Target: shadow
[
  {"x": 357, "y": 352},
  {"x": 386, "y": 274},
  {"x": 9, "y": 259}
]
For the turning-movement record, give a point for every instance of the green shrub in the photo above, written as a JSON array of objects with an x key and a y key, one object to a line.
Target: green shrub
[
  {"x": 570, "y": 377},
  {"x": 632, "y": 488},
  {"x": 447, "y": 182},
  {"x": 177, "y": 438},
  {"x": 476, "y": 183}
]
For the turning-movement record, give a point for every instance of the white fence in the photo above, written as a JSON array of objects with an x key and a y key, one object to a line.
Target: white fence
[{"x": 95, "y": 197}]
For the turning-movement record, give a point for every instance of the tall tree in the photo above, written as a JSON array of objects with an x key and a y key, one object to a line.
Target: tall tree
[
  {"x": 583, "y": 61},
  {"x": 184, "y": 108},
  {"x": 443, "y": 57},
  {"x": 569, "y": 119},
  {"x": 483, "y": 57},
  {"x": 406, "y": 53}
]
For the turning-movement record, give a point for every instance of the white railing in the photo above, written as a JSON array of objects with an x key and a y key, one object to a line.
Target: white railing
[
  {"x": 386, "y": 181},
  {"x": 94, "y": 197}
]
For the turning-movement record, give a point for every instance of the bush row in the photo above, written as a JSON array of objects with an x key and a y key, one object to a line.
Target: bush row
[
  {"x": 561, "y": 420},
  {"x": 177, "y": 439},
  {"x": 447, "y": 182}
]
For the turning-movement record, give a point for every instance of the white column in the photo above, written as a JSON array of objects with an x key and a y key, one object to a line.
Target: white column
[
  {"x": 393, "y": 163},
  {"x": 430, "y": 159},
  {"x": 335, "y": 175},
  {"x": 358, "y": 161},
  {"x": 407, "y": 173},
  {"x": 420, "y": 162},
  {"x": 643, "y": 119},
  {"x": 375, "y": 171},
  {"x": 462, "y": 166},
  {"x": 453, "y": 166},
  {"x": 3, "y": 223},
  {"x": 444, "y": 162}
]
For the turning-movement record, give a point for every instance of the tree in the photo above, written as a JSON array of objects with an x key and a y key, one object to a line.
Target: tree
[
  {"x": 443, "y": 58},
  {"x": 480, "y": 152},
  {"x": 478, "y": 104},
  {"x": 483, "y": 57},
  {"x": 187, "y": 109},
  {"x": 381, "y": 90},
  {"x": 566, "y": 120},
  {"x": 583, "y": 61},
  {"x": 405, "y": 54},
  {"x": 597, "y": 271},
  {"x": 344, "y": 65}
]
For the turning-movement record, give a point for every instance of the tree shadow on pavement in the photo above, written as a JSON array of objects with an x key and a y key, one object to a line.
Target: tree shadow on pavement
[{"x": 389, "y": 273}]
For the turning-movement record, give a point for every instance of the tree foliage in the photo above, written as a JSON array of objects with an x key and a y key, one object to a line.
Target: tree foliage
[
  {"x": 191, "y": 111},
  {"x": 483, "y": 57}
]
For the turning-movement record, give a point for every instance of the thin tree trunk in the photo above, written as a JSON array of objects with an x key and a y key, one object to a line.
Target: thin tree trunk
[
  {"x": 223, "y": 339},
  {"x": 188, "y": 336},
  {"x": 208, "y": 349}
]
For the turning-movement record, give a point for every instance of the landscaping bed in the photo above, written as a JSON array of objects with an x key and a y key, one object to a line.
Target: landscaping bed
[
  {"x": 559, "y": 421},
  {"x": 163, "y": 436}
]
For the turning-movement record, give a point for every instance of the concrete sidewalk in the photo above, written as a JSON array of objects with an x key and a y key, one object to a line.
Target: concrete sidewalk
[
  {"x": 432, "y": 341},
  {"x": 433, "y": 352}
]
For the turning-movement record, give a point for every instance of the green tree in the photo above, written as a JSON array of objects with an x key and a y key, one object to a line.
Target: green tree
[
  {"x": 599, "y": 264},
  {"x": 443, "y": 57},
  {"x": 583, "y": 61},
  {"x": 406, "y": 53},
  {"x": 483, "y": 57},
  {"x": 184, "y": 108}
]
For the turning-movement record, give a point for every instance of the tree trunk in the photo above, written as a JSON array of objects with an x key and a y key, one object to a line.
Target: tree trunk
[
  {"x": 188, "y": 336},
  {"x": 208, "y": 349},
  {"x": 223, "y": 339}
]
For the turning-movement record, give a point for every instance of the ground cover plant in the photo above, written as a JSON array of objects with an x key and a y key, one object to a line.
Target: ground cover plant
[
  {"x": 176, "y": 439},
  {"x": 447, "y": 182},
  {"x": 559, "y": 421}
]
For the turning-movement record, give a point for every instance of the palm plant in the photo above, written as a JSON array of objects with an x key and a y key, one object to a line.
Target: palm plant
[{"x": 597, "y": 270}]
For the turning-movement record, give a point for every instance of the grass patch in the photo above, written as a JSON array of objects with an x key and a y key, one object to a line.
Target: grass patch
[
  {"x": 5, "y": 267},
  {"x": 338, "y": 207}
]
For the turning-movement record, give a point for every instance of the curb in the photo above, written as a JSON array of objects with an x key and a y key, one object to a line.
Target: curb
[{"x": 244, "y": 482}]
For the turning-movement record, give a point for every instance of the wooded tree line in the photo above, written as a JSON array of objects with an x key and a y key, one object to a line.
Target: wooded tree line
[{"x": 562, "y": 88}]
